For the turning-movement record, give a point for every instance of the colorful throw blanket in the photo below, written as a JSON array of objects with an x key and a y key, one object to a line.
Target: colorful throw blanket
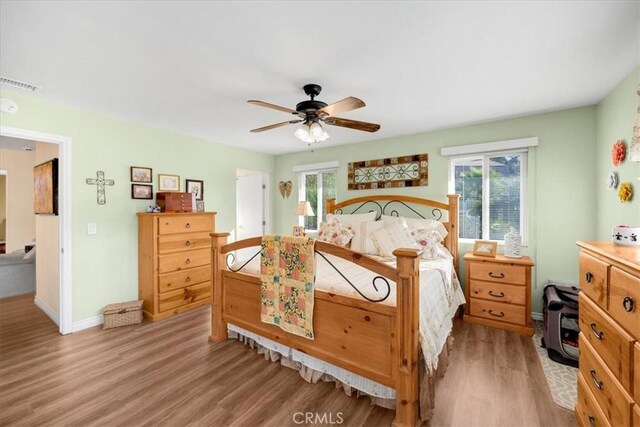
[{"x": 287, "y": 276}]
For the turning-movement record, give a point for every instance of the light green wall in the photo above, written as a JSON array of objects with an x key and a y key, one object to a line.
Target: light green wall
[
  {"x": 105, "y": 266},
  {"x": 616, "y": 117},
  {"x": 561, "y": 180}
]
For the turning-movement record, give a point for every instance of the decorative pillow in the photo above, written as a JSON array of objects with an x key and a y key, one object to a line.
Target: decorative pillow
[
  {"x": 368, "y": 228},
  {"x": 428, "y": 239},
  {"x": 335, "y": 232},
  {"x": 355, "y": 221},
  {"x": 391, "y": 237},
  {"x": 418, "y": 223}
]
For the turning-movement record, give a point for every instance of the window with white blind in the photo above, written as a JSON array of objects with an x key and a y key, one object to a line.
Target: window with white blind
[{"x": 492, "y": 190}]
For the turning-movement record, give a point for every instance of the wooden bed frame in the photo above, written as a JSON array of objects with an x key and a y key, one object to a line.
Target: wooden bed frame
[{"x": 377, "y": 341}]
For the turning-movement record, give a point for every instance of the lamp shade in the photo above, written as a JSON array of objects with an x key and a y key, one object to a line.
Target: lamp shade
[{"x": 304, "y": 209}]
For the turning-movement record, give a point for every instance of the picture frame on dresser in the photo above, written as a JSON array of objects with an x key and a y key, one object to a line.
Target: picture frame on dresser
[
  {"x": 196, "y": 187},
  {"x": 486, "y": 248}
]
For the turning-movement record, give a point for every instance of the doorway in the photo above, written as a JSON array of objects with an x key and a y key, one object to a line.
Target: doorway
[
  {"x": 52, "y": 233},
  {"x": 252, "y": 207}
]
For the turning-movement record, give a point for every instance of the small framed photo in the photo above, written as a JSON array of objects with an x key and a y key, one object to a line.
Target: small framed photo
[
  {"x": 199, "y": 206},
  {"x": 141, "y": 191},
  {"x": 168, "y": 182},
  {"x": 196, "y": 187},
  {"x": 141, "y": 174},
  {"x": 485, "y": 248},
  {"x": 298, "y": 231}
]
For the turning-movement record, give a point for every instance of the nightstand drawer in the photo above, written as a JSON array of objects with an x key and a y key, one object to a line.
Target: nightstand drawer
[
  {"x": 185, "y": 223},
  {"x": 182, "y": 260},
  {"x": 610, "y": 341},
  {"x": 494, "y": 272},
  {"x": 498, "y": 311},
  {"x": 587, "y": 408},
  {"x": 180, "y": 297},
  {"x": 179, "y": 242},
  {"x": 609, "y": 394},
  {"x": 624, "y": 301},
  {"x": 180, "y": 279},
  {"x": 500, "y": 292},
  {"x": 593, "y": 279}
]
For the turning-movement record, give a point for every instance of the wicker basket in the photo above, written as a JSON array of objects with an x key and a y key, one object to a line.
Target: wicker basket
[{"x": 122, "y": 314}]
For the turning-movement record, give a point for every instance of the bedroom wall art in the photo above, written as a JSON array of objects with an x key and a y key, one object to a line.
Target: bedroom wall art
[
  {"x": 634, "y": 148},
  {"x": 45, "y": 188},
  {"x": 618, "y": 152},
  {"x": 196, "y": 187},
  {"x": 100, "y": 182},
  {"x": 404, "y": 171},
  {"x": 625, "y": 192},
  {"x": 285, "y": 188},
  {"x": 141, "y": 174}
]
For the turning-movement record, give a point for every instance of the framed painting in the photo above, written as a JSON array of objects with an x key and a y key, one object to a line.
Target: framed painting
[
  {"x": 196, "y": 187},
  {"x": 393, "y": 172},
  {"x": 141, "y": 191},
  {"x": 45, "y": 188},
  {"x": 141, "y": 174},
  {"x": 168, "y": 182}
]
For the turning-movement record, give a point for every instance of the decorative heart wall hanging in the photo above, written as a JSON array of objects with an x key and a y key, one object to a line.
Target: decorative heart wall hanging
[{"x": 285, "y": 188}]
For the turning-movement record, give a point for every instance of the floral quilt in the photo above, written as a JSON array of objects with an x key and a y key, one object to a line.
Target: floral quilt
[{"x": 287, "y": 283}]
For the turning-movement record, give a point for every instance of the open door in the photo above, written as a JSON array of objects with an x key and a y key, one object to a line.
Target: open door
[{"x": 251, "y": 207}]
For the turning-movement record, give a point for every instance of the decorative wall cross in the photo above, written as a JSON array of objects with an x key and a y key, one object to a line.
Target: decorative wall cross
[{"x": 100, "y": 182}]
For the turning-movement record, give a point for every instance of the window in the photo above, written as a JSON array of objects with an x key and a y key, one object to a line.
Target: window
[
  {"x": 492, "y": 190},
  {"x": 315, "y": 187}
]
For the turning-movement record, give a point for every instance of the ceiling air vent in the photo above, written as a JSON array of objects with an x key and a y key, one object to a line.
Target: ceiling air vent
[{"x": 18, "y": 84}]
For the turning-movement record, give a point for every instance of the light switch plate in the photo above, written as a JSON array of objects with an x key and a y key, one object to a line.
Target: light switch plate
[{"x": 92, "y": 228}]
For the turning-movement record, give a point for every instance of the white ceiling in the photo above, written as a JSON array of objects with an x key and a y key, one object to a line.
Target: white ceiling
[
  {"x": 8, "y": 143},
  {"x": 191, "y": 66}
]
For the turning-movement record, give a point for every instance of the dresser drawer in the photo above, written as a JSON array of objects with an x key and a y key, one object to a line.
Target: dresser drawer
[
  {"x": 611, "y": 397},
  {"x": 185, "y": 223},
  {"x": 187, "y": 241},
  {"x": 188, "y": 295},
  {"x": 180, "y": 279},
  {"x": 587, "y": 409},
  {"x": 624, "y": 300},
  {"x": 636, "y": 377},
  {"x": 511, "y": 294},
  {"x": 610, "y": 341},
  {"x": 498, "y": 311},
  {"x": 182, "y": 260},
  {"x": 494, "y": 272},
  {"x": 593, "y": 279}
]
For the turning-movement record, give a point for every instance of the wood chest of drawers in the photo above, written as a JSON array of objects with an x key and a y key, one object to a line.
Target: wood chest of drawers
[
  {"x": 498, "y": 292},
  {"x": 174, "y": 262},
  {"x": 609, "y": 377}
]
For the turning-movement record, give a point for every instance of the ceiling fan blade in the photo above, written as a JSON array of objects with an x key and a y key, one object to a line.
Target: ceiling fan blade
[
  {"x": 277, "y": 125},
  {"x": 347, "y": 104},
  {"x": 273, "y": 106},
  {"x": 352, "y": 124}
]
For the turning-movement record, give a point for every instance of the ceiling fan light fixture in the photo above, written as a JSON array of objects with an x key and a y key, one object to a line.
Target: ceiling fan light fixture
[{"x": 311, "y": 132}]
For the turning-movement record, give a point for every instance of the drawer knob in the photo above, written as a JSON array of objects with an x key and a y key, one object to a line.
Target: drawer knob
[
  {"x": 588, "y": 277},
  {"x": 496, "y": 276},
  {"x": 188, "y": 261},
  {"x": 187, "y": 294},
  {"x": 501, "y": 314},
  {"x": 500, "y": 295},
  {"x": 187, "y": 225},
  {"x": 598, "y": 384},
  {"x": 592, "y": 421},
  {"x": 628, "y": 304},
  {"x": 188, "y": 279},
  {"x": 598, "y": 334},
  {"x": 187, "y": 243}
]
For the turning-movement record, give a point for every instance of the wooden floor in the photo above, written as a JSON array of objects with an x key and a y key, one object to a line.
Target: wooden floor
[{"x": 167, "y": 373}]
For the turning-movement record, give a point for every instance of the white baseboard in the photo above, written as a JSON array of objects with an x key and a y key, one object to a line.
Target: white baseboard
[
  {"x": 47, "y": 310},
  {"x": 87, "y": 323},
  {"x": 537, "y": 316}
]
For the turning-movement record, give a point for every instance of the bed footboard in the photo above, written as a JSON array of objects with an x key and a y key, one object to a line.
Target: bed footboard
[{"x": 377, "y": 341}]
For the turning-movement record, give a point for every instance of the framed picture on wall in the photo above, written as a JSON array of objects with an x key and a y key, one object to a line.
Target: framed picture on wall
[
  {"x": 141, "y": 191},
  {"x": 141, "y": 174},
  {"x": 45, "y": 188},
  {"x": 196, "y": 187},
  {"x": 168, "y": 182}
]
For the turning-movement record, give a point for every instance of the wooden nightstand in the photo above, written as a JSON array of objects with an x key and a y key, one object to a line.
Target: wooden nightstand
[{"x": 498, "y": 292}]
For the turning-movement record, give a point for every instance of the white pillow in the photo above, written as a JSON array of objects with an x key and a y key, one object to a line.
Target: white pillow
[
  {"x": 368, "y": 228},
  {"x": 391, "y": 237},
  {"x": 417, "y": 224},
  {"x": 355, "y": 221}
]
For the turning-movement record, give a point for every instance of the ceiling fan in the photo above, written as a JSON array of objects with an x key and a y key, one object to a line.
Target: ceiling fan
[{"x": 312, "y": 112}]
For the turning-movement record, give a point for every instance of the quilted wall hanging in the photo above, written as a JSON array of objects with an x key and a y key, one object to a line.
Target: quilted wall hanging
[{"x": 404, "y": 171}]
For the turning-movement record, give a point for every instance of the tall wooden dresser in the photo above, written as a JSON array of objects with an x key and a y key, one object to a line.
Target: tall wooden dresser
[
  {"x": 174, "y": 262},
  {"x": 609, "y": 377}
]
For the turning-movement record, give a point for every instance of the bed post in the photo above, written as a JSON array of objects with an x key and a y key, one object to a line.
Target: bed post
[
  {"x": 453, "y": 222},
  {"x": 218, "y": 325},
  {"x": 407, "y": 327},
  {"x": 331, "y": 205}
]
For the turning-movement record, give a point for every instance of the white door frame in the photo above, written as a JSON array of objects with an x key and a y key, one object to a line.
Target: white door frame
[{"x": 64, "y": 208}]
